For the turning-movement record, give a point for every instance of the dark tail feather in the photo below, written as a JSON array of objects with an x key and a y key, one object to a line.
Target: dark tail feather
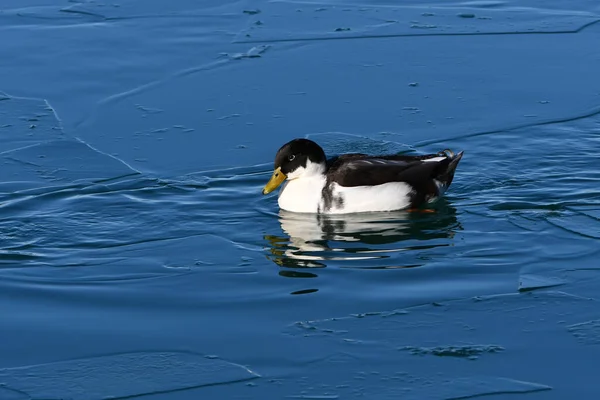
[{"x": 446, "y": 176}]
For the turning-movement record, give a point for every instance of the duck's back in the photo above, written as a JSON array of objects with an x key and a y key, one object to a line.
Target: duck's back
[{"x": 358, "y": 182}]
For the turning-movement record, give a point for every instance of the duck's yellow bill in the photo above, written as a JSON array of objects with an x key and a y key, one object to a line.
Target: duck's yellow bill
[{"x": 276, "y": 179}]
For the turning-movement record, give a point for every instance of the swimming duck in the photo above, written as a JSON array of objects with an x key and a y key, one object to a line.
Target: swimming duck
[{"x": 352, "y": 183}]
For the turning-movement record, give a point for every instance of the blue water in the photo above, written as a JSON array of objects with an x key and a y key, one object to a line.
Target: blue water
[{"x": 135, "y": 139}]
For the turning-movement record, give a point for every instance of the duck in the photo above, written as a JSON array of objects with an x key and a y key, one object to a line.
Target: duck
[{"x": 356, "y": 182}]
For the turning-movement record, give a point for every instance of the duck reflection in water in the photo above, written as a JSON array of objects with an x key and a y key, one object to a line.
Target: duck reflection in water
[{"x": 362, "y": 240}]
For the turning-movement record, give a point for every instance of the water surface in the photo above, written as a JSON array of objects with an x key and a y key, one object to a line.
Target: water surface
[{"x": 135, "y": 139}]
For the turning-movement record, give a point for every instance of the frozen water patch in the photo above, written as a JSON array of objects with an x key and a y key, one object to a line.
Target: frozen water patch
[
  {"x": 501, "y": 327},
  {"x": 34, "y": 151},
  {"x": 291, "y": 21},
  {"x": 586, "y": 332},
  {"x": 475, "y": 5},
  {"x": 144, "y": 9},
  {"x": 397, "y": 384},
  {"x": 26, "y": 121},
  {"x": 277, "y": 97},
  {"x": 462, "y": 351},
  {"x": 47, "y": 15},
  {"x": 82, "y": 12},
  {"x": 463, "y": 388},
  {"x": 57, "y": 163},
  {"x": 529, "y": 282},
  {"x": 462, "y": 321},
  {"x": 254, "y": 52},
  {"x": 122, "y": 375},
  {"x": 435, "y": 388}
]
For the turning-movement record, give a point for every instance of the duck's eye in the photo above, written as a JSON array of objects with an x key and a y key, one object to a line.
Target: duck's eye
[{"x": 291, "y": 158}]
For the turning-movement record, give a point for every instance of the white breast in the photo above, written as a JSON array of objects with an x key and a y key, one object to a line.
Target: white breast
[{"x": 302, "y": 195}]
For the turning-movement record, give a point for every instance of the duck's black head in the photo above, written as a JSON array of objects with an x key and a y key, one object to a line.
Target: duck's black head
[
  {"x": 296, "y": 158},
  {"x": 297, "y": 153}
]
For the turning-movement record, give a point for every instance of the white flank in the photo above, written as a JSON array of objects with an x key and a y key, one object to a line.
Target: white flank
[{"x": 386, "y": 197}]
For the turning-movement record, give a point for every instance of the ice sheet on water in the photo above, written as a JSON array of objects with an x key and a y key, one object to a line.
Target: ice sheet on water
[
  {"x": 528, "y": 282},
  {"x": 25, "y": 121},
  {"x": 511, "y": 322},
  {"x": 283, "y": 21},
  {"x": 57, "y": 162},
  {"x": 121, "y": 375}
]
